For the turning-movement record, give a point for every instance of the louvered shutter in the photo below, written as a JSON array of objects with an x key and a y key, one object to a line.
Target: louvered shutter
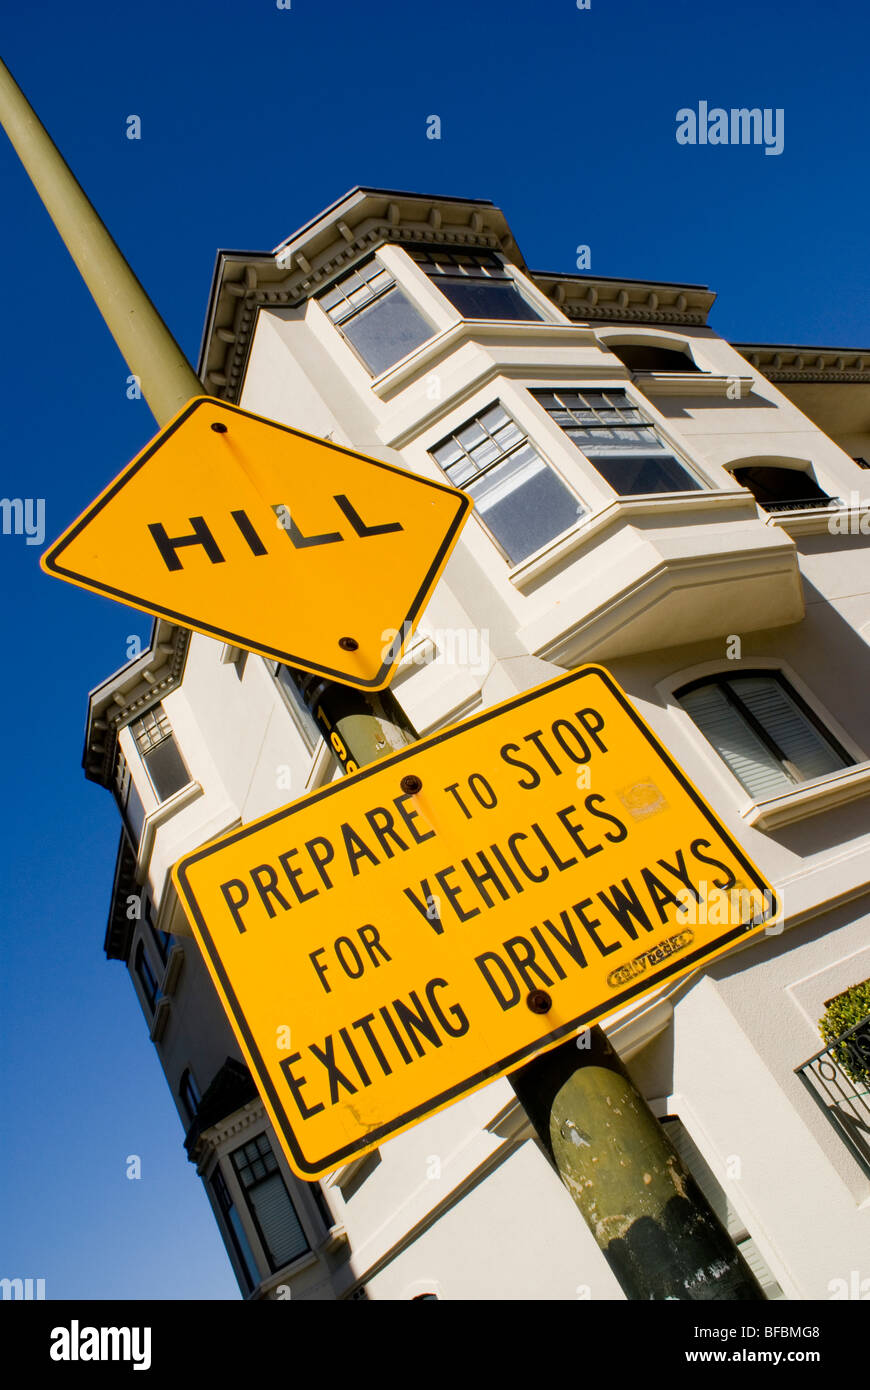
[
  {"x": 800, "y": 741},
  {"x": 736, "y": 743},
  {"x": 277, "y": 1219},
  {"x": 716, "y": 1196}
]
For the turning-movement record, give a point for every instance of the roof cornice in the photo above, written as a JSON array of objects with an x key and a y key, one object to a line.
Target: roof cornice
[
  {"x": 128, "y": 693},
  {"x": 793, "y": 362},
  {"x": 245, "y": 282}
]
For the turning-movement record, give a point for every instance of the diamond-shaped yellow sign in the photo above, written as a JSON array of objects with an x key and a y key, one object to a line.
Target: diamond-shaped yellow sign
[{"x": 270, "y": 539}]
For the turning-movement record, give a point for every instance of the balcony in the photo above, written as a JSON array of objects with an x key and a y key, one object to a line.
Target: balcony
[{"x": 838, "y": 1079}]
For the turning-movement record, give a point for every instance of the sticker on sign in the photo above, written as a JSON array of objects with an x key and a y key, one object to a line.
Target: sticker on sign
[{"x": 394, "y": 941}]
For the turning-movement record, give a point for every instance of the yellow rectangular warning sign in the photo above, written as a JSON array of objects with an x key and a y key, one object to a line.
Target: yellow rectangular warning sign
[{"x": 395, "y": 940}]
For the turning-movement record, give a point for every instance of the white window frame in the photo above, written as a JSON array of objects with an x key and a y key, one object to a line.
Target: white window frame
[
  {"x": 460, "y": 419},
  {"x": 636, "y": 401},
  {"x": 806, "y": 798},
  {"x": 399, "y": 282},
  {"x": 535, "y": 298}
]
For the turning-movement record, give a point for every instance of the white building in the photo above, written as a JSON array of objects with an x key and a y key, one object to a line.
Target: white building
[{"x": 691, "y": 514}]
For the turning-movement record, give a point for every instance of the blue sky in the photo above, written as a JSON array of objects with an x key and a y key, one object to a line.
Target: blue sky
[{"x": 254, "y": 118}]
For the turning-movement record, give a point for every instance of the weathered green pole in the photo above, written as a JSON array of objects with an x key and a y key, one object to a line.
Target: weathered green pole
[
  {"x": 657, "y": 1232},
  {"x": 654, "y": 1226},
  {"x": 147, "y": 346}
]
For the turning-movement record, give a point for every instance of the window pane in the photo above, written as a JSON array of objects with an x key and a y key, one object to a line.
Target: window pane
[
  {"x": 478, "y": 300},
  {"x": 642, "y": 357},
  {"x": 277, "y": 1219},
  {"x": 524, "y": 503},
  {"x": 387, "y": 332},
  {"x": 794, "y": 734},
  {"x": 310, "y": 731},
  {"x": 736, "y": 743},
  {"x": 777, "y": 487},
  {"x": 624, "y": 447},
  {"x": 634, "y": 475},
  {"x": 166, "y": 769},
  {"x": 134, "y": 814},
  {"x": 146, "y": 976}
]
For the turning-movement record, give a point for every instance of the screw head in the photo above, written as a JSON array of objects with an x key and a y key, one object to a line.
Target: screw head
[
  {"x": 219, "y": 428},
  {"x": 539, "y": 1001},
  {"x": 348, "y": 644},
  {"x": 411, "y": 784}
]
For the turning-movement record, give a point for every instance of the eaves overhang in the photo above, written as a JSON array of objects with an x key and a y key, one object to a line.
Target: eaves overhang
[
  {"x": 365, "y": 218},
  {"x": 790, "y": 362},
  {"x": 130, "y": 692}
]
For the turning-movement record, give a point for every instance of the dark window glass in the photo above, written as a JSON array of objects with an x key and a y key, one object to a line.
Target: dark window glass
[
  {"x": 762, "y": 730},
  {"x": 517, "y": 495},
  {"x": 189, "y": 1093},
  {"x": 128, "y": 799},
  {"x": 162, "y": 939},
  {"x": 783, "y": 489},
  {"x": 618, "y": 439},
  {"x": 163, "y": 762},
  {"x": 475, "y": 282},
  {"x": 375, "y": 316},
  {"x": 269, "y": 1202},
  {"x": 387, "y": 332},
  {"x": 645, "y": 357},
  {"x": 482, "y": 301},
  {"x": 166, "y": 769},
  {"x": 146, "y": 976},
  {"x": 236, "y": 1230},
  {"x": 326, "y": 1215}
]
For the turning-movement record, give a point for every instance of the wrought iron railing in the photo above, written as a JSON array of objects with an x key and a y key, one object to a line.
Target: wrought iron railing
[
  {"x": 802, "y": 504},
  {"x": 838, "y": 1079}
]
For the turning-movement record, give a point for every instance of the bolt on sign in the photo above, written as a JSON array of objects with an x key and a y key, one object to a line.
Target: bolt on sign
[
  {"x": 399, "y": 938},
  {"x": 270, "y": 539}
]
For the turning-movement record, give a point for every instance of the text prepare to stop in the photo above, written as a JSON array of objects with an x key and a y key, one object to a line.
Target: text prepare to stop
[{"x": 367, "y": 933}]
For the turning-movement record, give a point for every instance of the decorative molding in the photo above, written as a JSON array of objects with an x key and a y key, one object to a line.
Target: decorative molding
[
  {"x": 124, "y": 696},
  {"x": 602, "y": 633},
  {"x": 589, "y": 527},
  {"x": 630, "y": 1035},
  {"x": 796, "y": 364},
  {"x": 808, "y": 799},
  {"x": 691, "y": 384},
  {"x": 501, "y": 331},
  {"x": 153, "y": 821},
  {"x": 211, "y": 1140},
  {"x": 367, "y": 218},
  {"x": 816, "y": 521}
]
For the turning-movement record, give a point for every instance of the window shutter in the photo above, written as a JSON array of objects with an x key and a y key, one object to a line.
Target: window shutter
[
  {"x": 716, "y": 1196},
  {"x": 735, "y": 742},
  {"x": 277, "y": 1219},
  {"x": 800, "y": 742}
]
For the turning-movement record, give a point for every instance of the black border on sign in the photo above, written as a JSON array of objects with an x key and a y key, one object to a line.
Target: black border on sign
[
  {"x": 49, "y": 559},
  {"x": 506, "y": 1064}
]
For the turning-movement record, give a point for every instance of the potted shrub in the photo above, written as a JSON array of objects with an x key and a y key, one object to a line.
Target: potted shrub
[{"x": 843, "y": 1013}]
